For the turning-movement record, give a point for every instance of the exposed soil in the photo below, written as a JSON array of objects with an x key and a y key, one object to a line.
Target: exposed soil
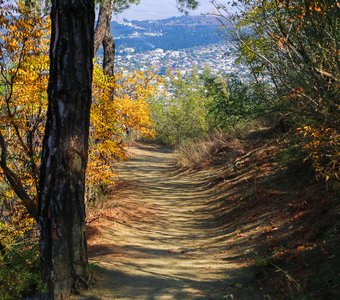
[{"x": 237, "y": 229}]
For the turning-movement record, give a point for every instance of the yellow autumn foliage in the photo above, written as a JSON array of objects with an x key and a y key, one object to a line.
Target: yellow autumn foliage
[
  {"x": 120, "y": 110},
  {"x": 120, "y": 113}
]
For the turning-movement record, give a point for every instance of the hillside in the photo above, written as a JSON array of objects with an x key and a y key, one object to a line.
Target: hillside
[{"x": 149, "y": 35}]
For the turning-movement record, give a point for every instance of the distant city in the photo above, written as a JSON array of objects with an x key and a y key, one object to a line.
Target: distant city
[
  {"x": 219, "y": 58},
  {"x": 177, "y": 44}
]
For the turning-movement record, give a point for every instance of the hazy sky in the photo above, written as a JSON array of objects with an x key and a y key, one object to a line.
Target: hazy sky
[{"x": 160, "y": 9}]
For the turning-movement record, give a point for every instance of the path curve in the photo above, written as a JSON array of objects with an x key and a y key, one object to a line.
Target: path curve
[{"x": 169, "y": 251}]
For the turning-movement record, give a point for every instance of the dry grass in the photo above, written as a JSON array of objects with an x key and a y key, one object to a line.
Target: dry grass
[{"x": 196, "y": 154}]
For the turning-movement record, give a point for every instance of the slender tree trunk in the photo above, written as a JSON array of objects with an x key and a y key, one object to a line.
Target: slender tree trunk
[
  {"x": 109, "y": 54},
  {"x": 64, "y": 158},
  {"x": 103, "y": 23},
  {"x": 103, "y": 36}
]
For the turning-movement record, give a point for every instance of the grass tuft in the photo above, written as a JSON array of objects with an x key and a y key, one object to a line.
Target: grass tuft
[{"x": 196, "y": 154}]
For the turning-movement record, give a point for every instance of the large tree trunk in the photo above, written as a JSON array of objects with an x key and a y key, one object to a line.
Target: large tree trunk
[
  {"x": 64, "y": 158},
  {"x": 103, "y": 36}
]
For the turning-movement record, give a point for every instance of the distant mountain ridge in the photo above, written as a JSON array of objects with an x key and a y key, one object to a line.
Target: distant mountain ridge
[
  {"x": 182, "y": 21},
  {"x": 169, "y": 34}
]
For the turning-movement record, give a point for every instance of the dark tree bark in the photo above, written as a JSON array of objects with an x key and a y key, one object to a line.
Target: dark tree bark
[{"x": 64, "y": 157}]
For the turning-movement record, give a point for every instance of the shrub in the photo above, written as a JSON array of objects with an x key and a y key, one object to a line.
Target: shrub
[
  {"x": 232, "y": 102},
  {"x": 19, "y": 253},
  {"x": 322, "y": 148},
  {"x": 180, "y": 113}
]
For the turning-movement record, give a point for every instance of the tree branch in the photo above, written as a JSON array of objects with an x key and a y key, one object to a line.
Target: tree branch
[{"x": 15, "y": 182}]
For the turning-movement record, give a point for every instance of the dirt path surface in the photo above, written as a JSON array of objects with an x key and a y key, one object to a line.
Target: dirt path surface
[
  {"x": 165, "y": 243},
  {"x": 240, "y": 228}
]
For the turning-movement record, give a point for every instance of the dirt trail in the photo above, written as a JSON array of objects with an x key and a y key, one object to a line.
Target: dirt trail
[{"x": 171, "y": 247}]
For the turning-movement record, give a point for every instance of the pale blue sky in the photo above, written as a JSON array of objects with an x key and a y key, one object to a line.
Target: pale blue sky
[{"x": 160, "y": 9}]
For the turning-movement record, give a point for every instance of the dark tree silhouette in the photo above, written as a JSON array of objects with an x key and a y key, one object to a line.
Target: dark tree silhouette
[{"x": 103, "y": 34}]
